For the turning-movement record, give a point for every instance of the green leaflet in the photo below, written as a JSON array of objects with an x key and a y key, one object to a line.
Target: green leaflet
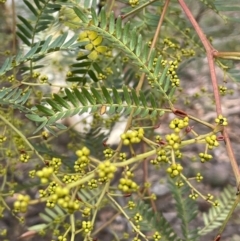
[
  {"x": 88, "y": 96},
  {"x": 36, "y": 118},
  {"x": 7, "y": 65},
  {"x": 31, "y": 7},
  {"x": 107, "y": 95},
  {"x": 186, "y": 210},
  {"x": 45, "y": 110},
  {"x": 54, "y": 105},
  {"x": 61, "y": 101},
  {"x": 213, "y": 219},
  {"x": 38, "y": 227},
  {"x": 153, "y": 221},
  {"x": 98, "y": 96},
  {"x": 58, "y": 42},
  {"x": 85, "y": 100},
  {"x": 81, "y": 15},
  {"x": 72, "y": 98}
]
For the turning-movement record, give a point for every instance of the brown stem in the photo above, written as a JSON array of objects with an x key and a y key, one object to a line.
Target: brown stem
[
  {"x": 140, "y": 83},
  {"x": 136, "y": 9},
  {"x": 209, "y": 50},
  {"x": 14, "y": 24},
  {"x": 156, "y": 36},
  {"x": 154, "y": 41},
  {"x": 231, "y": 156}
]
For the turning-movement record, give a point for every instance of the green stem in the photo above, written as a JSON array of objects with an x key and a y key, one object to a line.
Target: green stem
[
  {"x": 135, "y": 159},
  {"x": 21, "y": 135},
  {"x": 229, "y": 214},
  {"x": 72, "y": 221},
  {"x": 81, "y": 181},
  {"x": 28, "y": 144},
  {"x": 67, "y": 231},
  {"x": 136, "y": 9},
  {"x": 44, "y": 84},
  {"x": 226, "y": 54},
  {"x": 195, "y": 190},
  {"x": 127, "y": 217},
  {"x": 201, "y": 121},
  {"x": 97, "y": 205}
]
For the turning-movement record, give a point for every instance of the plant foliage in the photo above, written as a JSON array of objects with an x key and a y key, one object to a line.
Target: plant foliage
[
  {"x": 102, "y": 65},
  {"x": 214, "y": 217}
]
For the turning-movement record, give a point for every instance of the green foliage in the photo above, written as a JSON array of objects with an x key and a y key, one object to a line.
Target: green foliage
[
  {"x": 186, "y": 210},
  {"x": 111, "y": 66},
  {"x": 50, "y": 217},
  {"x": 153, "y": 221},
  {"x": 91, "y": 101},
  {"x": 15, "y": 97},
  {"x": 216, "y": 215}
]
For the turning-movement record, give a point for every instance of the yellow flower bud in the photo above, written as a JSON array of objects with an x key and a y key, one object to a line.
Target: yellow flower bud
[
  {"x": 93, "y": 55},
  {"x": 97, "y": 41},
  {"x": 89, "y": 47},
  {"x": 101, "y": 49},
  {"x": 92, "y": 35}
]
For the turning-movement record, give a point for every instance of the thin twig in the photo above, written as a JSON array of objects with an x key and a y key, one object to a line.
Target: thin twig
[{"x": 155, "y": 38}]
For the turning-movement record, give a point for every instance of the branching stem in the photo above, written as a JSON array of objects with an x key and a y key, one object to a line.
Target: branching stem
[{"x": 211, "y": 52}]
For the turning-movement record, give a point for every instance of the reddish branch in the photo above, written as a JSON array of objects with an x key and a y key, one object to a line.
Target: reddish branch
[{"x": 211, "y": 52}]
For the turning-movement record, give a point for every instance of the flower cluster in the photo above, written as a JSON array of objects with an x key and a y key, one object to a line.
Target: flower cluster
[
  {"x": 21, "y": 204},
  {"x": 43, "y": 79},
  {"x": 212, "y": 141},
  {"x": 108, "y": 152},
  {"x": 172, "y": 73},
  {"x": 122, "y": 156},
  {"x": 138, "y": 217},
  {"x": 222, "y": 89},
  {"x": 193, "y": 196},
  {"x": 161, "y": 157},
  {"x": 82, "y": 160},
  {"x": 86, "y": 212},
  {"x": 55, "y": 163},
  {"x": 87, "y": 226},
  {"x": 199, "y": 177},
  {"x": 179, "y": 183},
  {"x": 205, "y": 157},
  {"x": 173, "y": 140},
  {"x": 187, "y": 52},
  {"x": 178, "y": 124},
  {"x": 106, "y": 170},
  {"x": 93, "y": 184},
  {"x": 24, "y": 157},
  {"x": 127, "y": 185},
  {"x": 131, "y": 205},
  {"x": 60, "y": 196},
  {"x": 209, "y": 197},
  {"x": 156, "y": 236},
  {"x": 44, "y": 174},
  {"x": 71, "y": 178},
  {"x": 2, "y": 138},
  {"x": 170, "y": 44},
  {"x": 45, "y": 135},
  {"x": 174, "y": 170},
  {"x": 61, "y": 238},
  {"x": 131, "y": 137},
  {"x": 133, "y": 3},
  {"x": 221, "y": 120}
]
